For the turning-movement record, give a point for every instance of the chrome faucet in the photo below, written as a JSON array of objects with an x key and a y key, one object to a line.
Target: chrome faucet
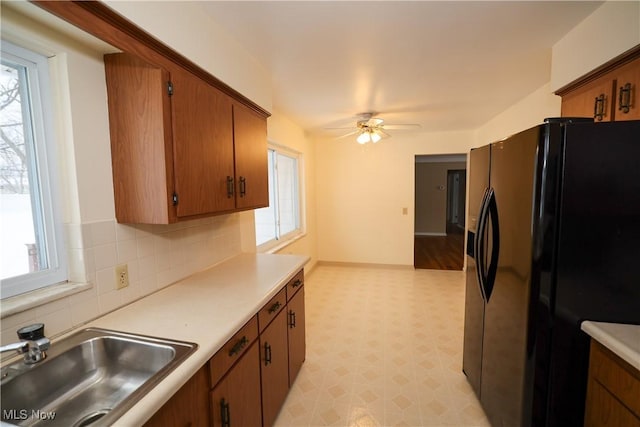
[{"x": 33, "y": 344}]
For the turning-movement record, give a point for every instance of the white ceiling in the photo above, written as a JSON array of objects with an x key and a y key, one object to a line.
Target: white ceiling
[{"x": 444, "y": 65}]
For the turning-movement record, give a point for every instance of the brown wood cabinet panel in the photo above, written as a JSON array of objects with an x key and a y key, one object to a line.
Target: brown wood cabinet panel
[
  {"x": 141, "y": 139},
  {"x": 296, "y": 334},
  {"x": 274, "y": 368},
  {"x": 604, "y": 410},
  {"x": 627, "y": 80},
  {"x": 188, "y": 407},
  {"x": 203, "y": 146},
  {"x": 295, "y": 284},
  {"x": 582, "y": 103},
  {"x": 617, "y": 376},
  {"x": 250, "y": 139},
  {"x": 237, "y": 397},
  {"x": 233, "y": 350},
  {"x": 616, "y": 82},
  {"x": 271, "y": 309}
]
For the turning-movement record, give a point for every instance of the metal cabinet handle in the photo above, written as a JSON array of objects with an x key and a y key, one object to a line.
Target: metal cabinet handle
[
  {"x": 267, "y": 354},
  {"x": 229, "y": 187},
  {"x": 274, "y": 307},
  {"x": 292, "y": 319},
  {"x": 238, "y": 346},
  {"x": 296, "y": 283},
  {"x": 225, "y": 413},
  {"x": 599, "y": 107},
  {"x": 243, "y": 186},
  {"x": 624, "y": 99}
]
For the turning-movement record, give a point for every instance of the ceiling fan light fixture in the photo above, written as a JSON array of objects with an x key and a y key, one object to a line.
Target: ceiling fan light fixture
[
  {"x": 375, "y": 137},
  {"x": 364, "y": 137}
]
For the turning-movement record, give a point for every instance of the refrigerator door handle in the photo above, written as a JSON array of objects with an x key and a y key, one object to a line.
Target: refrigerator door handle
[
  {"x": 478, "y": 249},
  {"x": 492, "y": 208}
]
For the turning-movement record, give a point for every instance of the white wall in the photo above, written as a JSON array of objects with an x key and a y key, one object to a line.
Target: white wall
[
  {"x": 188, "y": 29},
  {"x": 362, "y": 190},
  {"x": 528, "y": 112},
  {"x": 608, "y": 32}
]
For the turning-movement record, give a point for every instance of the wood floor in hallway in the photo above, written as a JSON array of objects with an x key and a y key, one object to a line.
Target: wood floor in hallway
[{"x": 439, "y": 252}]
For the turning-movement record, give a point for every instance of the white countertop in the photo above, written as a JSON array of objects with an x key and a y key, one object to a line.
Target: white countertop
[
  {"x": 206, "y": 308},
  {"x": 621, "y": 339}
]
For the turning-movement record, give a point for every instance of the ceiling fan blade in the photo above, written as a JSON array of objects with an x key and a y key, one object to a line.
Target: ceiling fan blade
[
  {"x": 383, "y": 133},
  {"x": 348, "y": 134},
  {"x": 406, "y": 126}
]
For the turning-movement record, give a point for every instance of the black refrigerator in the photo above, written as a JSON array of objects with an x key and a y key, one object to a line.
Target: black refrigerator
[{"x": 553, "y": 238}]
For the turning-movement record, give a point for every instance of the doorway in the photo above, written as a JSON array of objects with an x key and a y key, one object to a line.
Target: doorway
[{"x": 440, "y": 194}]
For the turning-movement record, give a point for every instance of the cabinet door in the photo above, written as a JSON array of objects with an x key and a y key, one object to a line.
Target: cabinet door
[
  {"x": 296, "y": 331},
  {"x": 274, "y": 366},
  {"x": 188, "y": 407},
  {"x": 236, "y": 400},
  {"x": 141, "y": 141},
  {"x": 250, "y": 143},
  {"x": 626, "y": 100},
  {"x": 592, "y": 100},
  {"x": 203, "y": 146}
]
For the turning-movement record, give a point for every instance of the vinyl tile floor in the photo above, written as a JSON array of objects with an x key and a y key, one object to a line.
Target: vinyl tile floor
[{"x": 384, "y": 348}]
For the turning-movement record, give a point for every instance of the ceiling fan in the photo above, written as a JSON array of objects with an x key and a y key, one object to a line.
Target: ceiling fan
[{"x": 372, "y": 129}]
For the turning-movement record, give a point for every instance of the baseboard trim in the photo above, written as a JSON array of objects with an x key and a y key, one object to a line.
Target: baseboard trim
[{"x": 422, "y": 233}]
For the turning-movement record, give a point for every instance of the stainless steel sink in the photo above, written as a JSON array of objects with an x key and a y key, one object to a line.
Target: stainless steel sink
[{"x": 88, "y": 379}]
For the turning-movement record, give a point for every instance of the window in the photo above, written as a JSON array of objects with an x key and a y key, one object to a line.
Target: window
[
  {"x": 281, "y": 220},
  {"x": 31, "y": 247}
]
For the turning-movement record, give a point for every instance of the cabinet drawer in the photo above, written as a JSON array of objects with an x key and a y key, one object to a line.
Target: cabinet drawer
[
  {"x": 604, "y": 410},
  {"x": 295, "y": 284},
  {"x": 271, "y": 309},
  {"x": 233, "y": 350},
  {"x": 619, "y": 378}
]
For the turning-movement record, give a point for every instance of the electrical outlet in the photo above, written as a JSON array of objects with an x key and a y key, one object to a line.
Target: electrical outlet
[{"x": 122, "y": 276}]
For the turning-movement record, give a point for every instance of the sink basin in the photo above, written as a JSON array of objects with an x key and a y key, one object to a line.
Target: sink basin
[{"x": 88, "y": 379}]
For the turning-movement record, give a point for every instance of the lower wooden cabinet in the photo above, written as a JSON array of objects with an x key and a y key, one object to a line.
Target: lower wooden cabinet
[
  {"x": 274, "y": 368},
  {"x": 613, "y": 391},
  {"x": 246, "y": 382},
  {"x": 236, "y": 400},
  {"x": 189, "y": 407},
  {"x": 296, "y": 334}
]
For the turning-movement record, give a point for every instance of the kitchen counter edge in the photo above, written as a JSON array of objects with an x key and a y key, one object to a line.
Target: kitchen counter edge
[{"x": 622, "y": 339}]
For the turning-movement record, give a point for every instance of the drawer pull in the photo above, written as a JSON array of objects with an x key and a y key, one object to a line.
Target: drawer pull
[
  {"x": 624, "y": 100},
  {"x": 229, "y": 187},
  {"x": 598, "y": 107},
  {"x": 243, "y": 186},
  {"x": 296, "y": 283},
  {"x": 274, "y": 307},
  {"x": 292, "y": 319},
  {"x": 225, "y": 413},
  {"x": 267, "y": 354},
  {"x": 237, "y": 347}
]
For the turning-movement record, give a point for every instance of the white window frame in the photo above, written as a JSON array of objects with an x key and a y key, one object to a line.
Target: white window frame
[
  {"x": 283, "y": 240},
  {"x": 39, "y": 93}
]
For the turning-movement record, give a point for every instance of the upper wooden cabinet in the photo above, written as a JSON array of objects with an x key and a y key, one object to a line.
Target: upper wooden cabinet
[
  {"x": 250, "y": 144},
  {"x": 140, "y": 128},
  {"x": 608, "y": 94},
  {"x": 180, "y": 147},
  {"x": 203, "y": 146}
]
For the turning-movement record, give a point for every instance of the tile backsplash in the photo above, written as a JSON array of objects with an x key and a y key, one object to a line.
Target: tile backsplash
[{"x": 156, "y": 256}]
